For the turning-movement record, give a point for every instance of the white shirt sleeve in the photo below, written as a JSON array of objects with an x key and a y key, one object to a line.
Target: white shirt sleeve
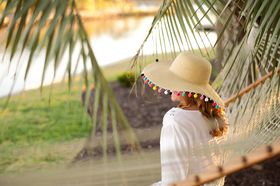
[{"x": 174, "y": 145}]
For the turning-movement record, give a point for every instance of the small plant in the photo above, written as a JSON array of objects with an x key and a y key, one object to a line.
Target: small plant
[{"x": 126, "y": 79}]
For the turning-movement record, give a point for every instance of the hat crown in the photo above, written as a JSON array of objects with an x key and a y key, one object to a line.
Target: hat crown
[{"x": 191, "y": 68}]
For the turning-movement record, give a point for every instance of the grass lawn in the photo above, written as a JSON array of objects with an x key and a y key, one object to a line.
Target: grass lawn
[
  {"x": 34, "y": 131},
  {"x": 38, "y": 132}
]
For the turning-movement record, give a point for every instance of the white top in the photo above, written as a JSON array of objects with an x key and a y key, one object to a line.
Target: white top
[{"x": 181, "y": 131}]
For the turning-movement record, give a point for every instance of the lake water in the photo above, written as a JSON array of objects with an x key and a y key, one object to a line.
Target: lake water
[{"x": 112, "y": 40}]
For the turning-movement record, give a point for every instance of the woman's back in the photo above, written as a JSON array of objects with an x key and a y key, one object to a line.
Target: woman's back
[{"x": 181, "y": 131}]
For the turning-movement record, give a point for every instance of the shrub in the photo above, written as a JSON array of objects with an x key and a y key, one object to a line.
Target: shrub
[{"x": 126, "y": 79}]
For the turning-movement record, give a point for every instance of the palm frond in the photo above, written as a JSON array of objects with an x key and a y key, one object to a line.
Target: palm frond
[
  {"x": 175, "y": 29},
  {"x": 55, "y": 29}
]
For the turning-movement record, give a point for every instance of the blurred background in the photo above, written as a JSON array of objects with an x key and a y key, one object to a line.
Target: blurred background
[
  {"x": 112, "y": 25},
  {"x": 49, "y": 128}
]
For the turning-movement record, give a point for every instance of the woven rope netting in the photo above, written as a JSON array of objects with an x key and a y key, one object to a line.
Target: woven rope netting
[{"x": 245, "y": 46}]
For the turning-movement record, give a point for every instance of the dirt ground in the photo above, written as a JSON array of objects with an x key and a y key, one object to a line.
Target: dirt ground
[{"x": 147, "y": 110}]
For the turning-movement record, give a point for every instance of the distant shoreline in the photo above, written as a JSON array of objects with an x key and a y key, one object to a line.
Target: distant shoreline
[{"x": 88, "y": 16}]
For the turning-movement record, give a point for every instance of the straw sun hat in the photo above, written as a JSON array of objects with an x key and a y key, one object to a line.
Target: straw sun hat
[{"x": 188, "y": 75}]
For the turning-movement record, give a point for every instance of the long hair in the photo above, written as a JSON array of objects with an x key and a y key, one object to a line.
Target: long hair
[{"x": 208, "y": 111}]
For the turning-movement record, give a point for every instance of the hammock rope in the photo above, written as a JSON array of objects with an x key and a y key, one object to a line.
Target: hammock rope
[
  {"x": 259, "y": 155},
  {"x": 238, "y": 164}
]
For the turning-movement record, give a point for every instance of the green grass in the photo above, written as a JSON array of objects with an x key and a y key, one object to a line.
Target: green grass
[
  {"x": 31, "y": 125},
  {"x": 29, "y": 117},
  {"x": 36, "y": 131}
]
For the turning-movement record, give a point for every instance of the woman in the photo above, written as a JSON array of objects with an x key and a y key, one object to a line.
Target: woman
[{"x": 196, "y": 121}]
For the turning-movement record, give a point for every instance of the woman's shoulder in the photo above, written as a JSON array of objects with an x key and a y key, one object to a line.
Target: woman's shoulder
[
  {"x": 179, "y": 115},
  {"x": 178, "y": 112}
]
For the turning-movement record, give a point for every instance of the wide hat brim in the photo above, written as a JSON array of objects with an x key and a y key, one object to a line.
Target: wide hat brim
[{"x": 159, "y": 74}]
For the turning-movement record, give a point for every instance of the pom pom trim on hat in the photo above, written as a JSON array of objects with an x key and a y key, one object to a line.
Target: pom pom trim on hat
[{"x": 180, "y": 93}]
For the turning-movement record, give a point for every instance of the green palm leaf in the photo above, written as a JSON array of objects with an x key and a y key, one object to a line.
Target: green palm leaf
[{"x": 54, "y": 28}]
